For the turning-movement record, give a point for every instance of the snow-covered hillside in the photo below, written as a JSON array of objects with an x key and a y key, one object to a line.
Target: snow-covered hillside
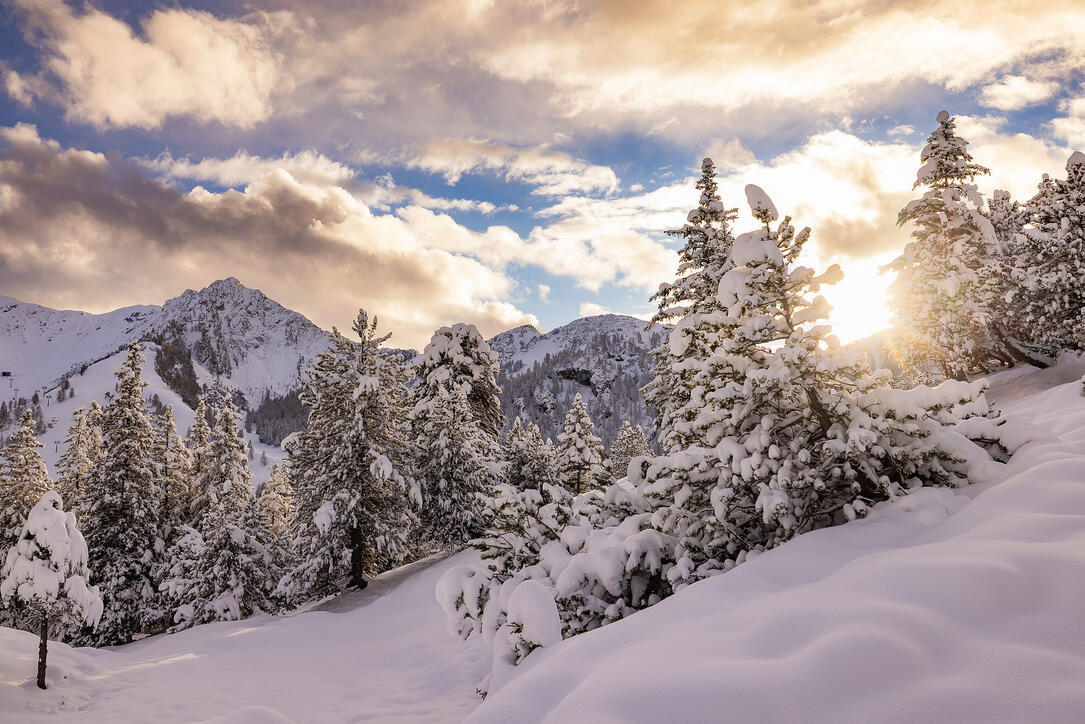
[
  {"x": 238, "y": 338},
  {"x": 605, "y": 358},
  {"x": 944, "y": 606},
  {"x": 98, "y": 379}
]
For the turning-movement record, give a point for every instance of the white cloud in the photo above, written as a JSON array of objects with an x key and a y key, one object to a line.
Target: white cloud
[
  {"x": 243, "y": 168},
  {"x": 591, "y": 309},
  {"x": 552, "y": 173},
  {"x": 544, "y": 293},
  {"x": 82, "y": 229},
  {"x": 1015, "y": 92},
  {"x": 183, "y": 63}
]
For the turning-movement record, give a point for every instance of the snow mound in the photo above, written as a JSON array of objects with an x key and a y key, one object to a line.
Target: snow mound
[
  {"x": 937, "y": 608},
  {"x": 760, "y": 203}
]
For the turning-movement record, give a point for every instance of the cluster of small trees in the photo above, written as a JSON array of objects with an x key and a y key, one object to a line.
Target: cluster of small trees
[
  {"x": 987, "y": 284},
  {"x": 175, "y": 534},
  {"x": 769, "y": 427}
]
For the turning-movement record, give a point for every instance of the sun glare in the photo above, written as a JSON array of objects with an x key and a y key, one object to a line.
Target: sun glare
[{"x": 859, "y": 300}]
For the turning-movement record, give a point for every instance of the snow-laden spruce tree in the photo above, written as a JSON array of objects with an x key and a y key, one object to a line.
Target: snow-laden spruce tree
[
  {"x": 1049, "y": 300},
  {"x": 277, "y": 500},
  {"x": 677, "y": 387},
  {"x": 940, "y": 300},
  {"x": 351, "y": 468},
  {"x": 45, "y": 574},
  {"x": 455, "y": 418},
  {"x": 458, "y": 356},
  {"x": 120, "y": 518},
  {"x": 630, "y": 443},
  {"x": 197, "y": 437},
  {"x": 456, "y": 468},
  {"x": 530, "y": 462},
  {"x": 580, "y": 451},
  {"x": 82, "y": 451},
  {"x": 277, "y": 510},
  {"x": 175, "y": 473},
  {"x": 23, "y": 480},
  {"x": 230, "y": 578},
  {"x": 800, "y": 433}
]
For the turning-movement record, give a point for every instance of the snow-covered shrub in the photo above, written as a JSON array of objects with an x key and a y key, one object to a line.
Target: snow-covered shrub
[{"x": 45, "y": 574}]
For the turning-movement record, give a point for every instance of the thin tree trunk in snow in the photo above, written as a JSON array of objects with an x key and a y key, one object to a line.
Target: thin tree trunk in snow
[{"x": 43, "y": 650}]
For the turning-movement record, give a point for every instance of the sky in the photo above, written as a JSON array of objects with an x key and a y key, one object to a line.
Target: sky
[{"x": 495, "y": 163}]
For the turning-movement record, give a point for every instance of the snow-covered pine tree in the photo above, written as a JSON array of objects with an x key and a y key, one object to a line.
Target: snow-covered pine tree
[
  {"x": 459, "y": 356},
  {"x": 351, "y": 468},
  {"x": 1049, "y": 299},
  {"x": 529, "y": 461},
  {"x": 232, "y": 572},
  {"x": 801, "y": 433},
  {"x": 198, "y": 436},
  {"x": 277, "y": 500},
  {"x": 277, "y": 510},
  {"x": 630, "y": 443},
  {"x": 175, "y": 472},
  {"x": 455, "y": 418},
  {"x": 23, "y": 480},
  {"x": 691, "y": 299},
  {"x": 456, "y": 468},
  {"x": 580, "y": 452},
  {"x": 121, "y": 510},
  {"x": 82, "y": 451},
  {"x": 45, "y": 574},
  {"x": 939, "y": 299}
]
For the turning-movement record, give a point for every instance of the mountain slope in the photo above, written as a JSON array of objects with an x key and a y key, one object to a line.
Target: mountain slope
[
  {"x": 238, "y": 338},
  {"x": 605, "y": 358}
]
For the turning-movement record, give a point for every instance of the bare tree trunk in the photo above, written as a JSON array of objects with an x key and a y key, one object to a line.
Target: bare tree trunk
[
  {"x": 43, "y": 650},
  {"x": 357, "y": 565}
]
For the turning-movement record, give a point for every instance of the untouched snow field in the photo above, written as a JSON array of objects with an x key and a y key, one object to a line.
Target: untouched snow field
[
  {"x": 946, "y": 606},
  {"x": 382, "y": 654}
]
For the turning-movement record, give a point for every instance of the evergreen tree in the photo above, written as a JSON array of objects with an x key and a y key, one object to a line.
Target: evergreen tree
[
  {"x": 23, "y": 480},
  {"x": 277, "y": 509},
  {"x": 455, "y": 468},
  {"x": 121, "y": 510},
  {"x": 1049, "y": 299},
  {"x": 175, "y": 473},
  {"x": 801, "y": 433},
  {"x": 629, "y": 444},
  {"x": 82, "y": 451},
  {"x": 351, "y": 468},
  {"x": 198, "y": 436},
  {"x": 277, "y": 500},
  {"x": 580, "y": 454},
  {"x": 46, "y": 574},
  {"x": 459, "y": 356},
  {"x": 940, "y": 305},
  {"x": 676, "y": 390},
  {"x": 231, "y": 579},
  {"x": 455, "y": 416}
]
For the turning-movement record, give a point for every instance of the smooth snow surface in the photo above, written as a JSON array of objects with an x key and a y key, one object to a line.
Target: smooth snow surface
[
  {"x": 382, "y": 654},
  {"x": 936, "y": 608}
]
